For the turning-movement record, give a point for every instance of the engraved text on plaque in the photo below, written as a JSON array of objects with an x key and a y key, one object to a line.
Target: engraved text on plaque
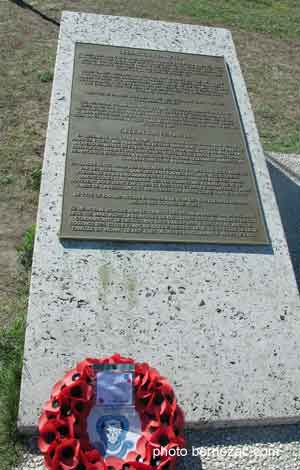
[{"x": 156, "y": 151}]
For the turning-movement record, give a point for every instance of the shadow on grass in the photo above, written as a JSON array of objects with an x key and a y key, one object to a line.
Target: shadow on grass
[{"x": 27, "y": 6}]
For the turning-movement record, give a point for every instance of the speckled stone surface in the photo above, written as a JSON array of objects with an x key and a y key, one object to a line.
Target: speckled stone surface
[{"x": 222, "y": 323}]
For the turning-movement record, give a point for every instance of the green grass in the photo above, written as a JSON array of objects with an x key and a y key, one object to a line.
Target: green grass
[
  {"x": 290, "y": 143},
  {"x": 12, "y": 334},
  {"x": 281, "y": 18},
  {"x": 45, "y": 76},
  {"x": 35, "y": 178},
  {"x": 6, "y": 179},
  {"x": 11, "y": 355},
  {"x": 25, "y": 249}
]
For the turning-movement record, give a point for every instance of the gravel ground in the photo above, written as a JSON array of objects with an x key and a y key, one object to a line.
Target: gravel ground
[
  {"x": 254, "y": 448},
  {"x": 267, "y": 448}
]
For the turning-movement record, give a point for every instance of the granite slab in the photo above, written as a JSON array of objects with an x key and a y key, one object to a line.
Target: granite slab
[{"x": 221, "y": 322}]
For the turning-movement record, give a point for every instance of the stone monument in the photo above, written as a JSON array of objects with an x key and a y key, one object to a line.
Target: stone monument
[{"x": 158, "y": 233}]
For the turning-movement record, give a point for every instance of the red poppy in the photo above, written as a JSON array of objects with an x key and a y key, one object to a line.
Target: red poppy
[
  {"x": 43, "y": 419},
  {"x": 85, "y": 368},
  {"x": 178, "y": 421},
  {"x": 97, "y": 466},
  {"x": 78, "y": 390},
  {"x": 50, "y": 453},
  {"x": 53, "y": 406},
  {"x": 167, "y": 464},
  {"x": 145, "y": 378},
  {"x": 71, "y": 377},
  {"x": 91, "y": 460},
  {"x": 80, "y": 426},
  {"x": 143, "y": 449},
  {"x": 163, "y": 437},
  {"x": 67, "y": 454},
  {"x": 164, "y": 413},
  {"x": 113, "y": 463},
  {"x": 55, "y": 429},
  {"x": 140, "y": 371},
  {"x": 150, "y": 427},
  {"x": 81, "y": 408},
  {"x": 133, "y": 456},
  {"x": 164, "y": 388},
  {"x": 93, "y": 456},
  {"x": 141, "y": 445},
  {"x": 56, "y": 389},
  {"x": 47, "y": 436},
  {"x": 137, "y": 465},
  {"x": 162, "y": 397},
  {"x": 118, "y": 359},
  {"x": 85, "y": 442}
]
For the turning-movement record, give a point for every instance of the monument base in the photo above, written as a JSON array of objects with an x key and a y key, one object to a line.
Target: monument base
[{"x": 221, "y": 322}]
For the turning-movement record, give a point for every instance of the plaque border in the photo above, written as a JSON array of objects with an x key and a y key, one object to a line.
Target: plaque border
[{"x": 116, "y": 238}]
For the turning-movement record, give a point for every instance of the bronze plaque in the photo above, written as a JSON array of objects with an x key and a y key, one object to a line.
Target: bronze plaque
[{"x": 156, "y": 151}]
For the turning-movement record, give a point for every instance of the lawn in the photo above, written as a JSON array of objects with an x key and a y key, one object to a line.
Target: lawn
[
  {"x": 267, "y": 37},
  {"x": 280, "y": 18}
]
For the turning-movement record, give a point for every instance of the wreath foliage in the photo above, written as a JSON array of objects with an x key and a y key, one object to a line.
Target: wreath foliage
[{"x": 63, "y": 437}]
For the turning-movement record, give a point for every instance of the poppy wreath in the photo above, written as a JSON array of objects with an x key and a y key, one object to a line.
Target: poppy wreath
[{"x": 63, "y": 437}]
